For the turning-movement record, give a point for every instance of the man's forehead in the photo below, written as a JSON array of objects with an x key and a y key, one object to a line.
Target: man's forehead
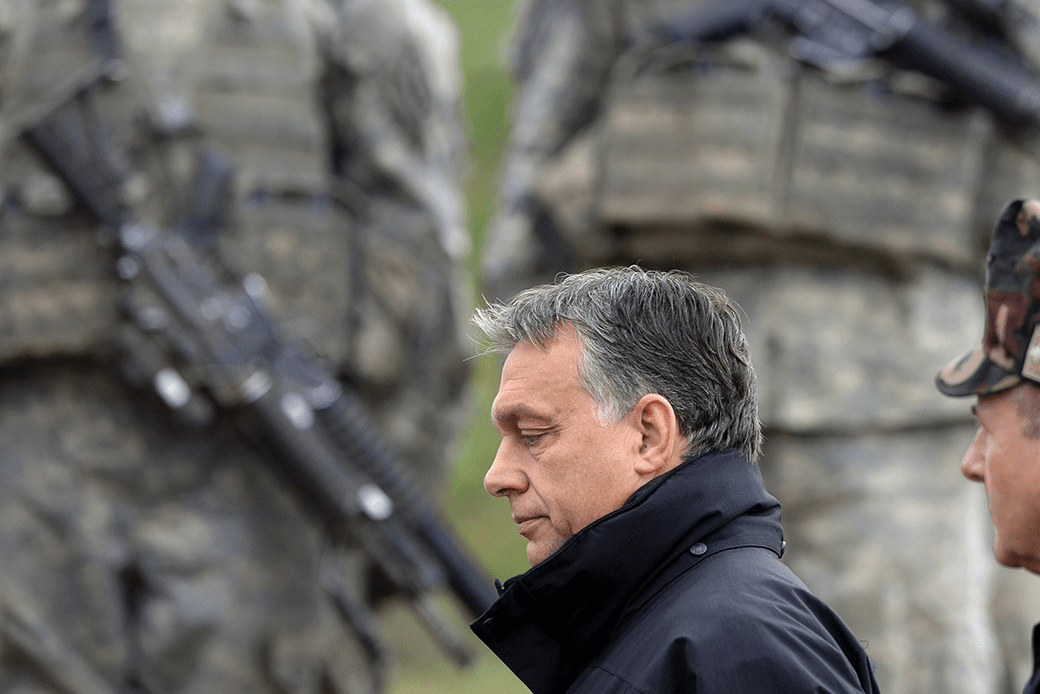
[
  {"x": 538, "y": 381},
  {"x": 552, "y": 360},
  {"x": 999, "y": 404}
]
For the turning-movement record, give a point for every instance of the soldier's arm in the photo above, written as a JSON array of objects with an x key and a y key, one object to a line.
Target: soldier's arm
[
  {"x": 562, "y": 54},
  {"x": 395, "y": 101}
]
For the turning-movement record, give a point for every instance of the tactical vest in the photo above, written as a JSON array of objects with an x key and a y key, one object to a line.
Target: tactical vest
[
  {"x": 247, "y": 85},
  {"x": 739, "y": 136}
]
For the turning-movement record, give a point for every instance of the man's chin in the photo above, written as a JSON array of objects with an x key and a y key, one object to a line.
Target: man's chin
[
  {"x": 1029, "y": 563},
  {"x": 535, "y": 554},
  {"x": 1009, "y": 558},
  {"x": 540, "y": 550}
]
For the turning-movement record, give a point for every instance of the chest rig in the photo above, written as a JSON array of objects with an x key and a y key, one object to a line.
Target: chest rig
[
  {"x": 237, "y": 78},
  {"x": 739, "y": 135}
]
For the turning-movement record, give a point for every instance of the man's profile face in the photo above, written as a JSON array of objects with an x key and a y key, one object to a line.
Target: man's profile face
[
  {"x": 1008, "y": 462},
  {"x": 559, "y": 466}
]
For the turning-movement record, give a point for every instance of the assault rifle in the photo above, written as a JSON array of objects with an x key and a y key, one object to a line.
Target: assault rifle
[
  {"x": 208, "y": 343},
  {"x": 830, "y": 32}
]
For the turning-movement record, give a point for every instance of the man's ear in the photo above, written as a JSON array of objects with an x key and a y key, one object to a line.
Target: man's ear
[{"x": 661, "y": 445}]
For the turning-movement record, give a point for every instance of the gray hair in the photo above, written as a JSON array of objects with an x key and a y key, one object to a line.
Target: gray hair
[{"x": 644, "y": 331}]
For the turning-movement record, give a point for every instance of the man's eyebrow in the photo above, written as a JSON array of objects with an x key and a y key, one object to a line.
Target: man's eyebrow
[{"x": 510, "y": 413}]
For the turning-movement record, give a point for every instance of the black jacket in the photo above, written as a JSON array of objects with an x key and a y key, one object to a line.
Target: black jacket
[
  {"x": 680, "y": 590},
  {"x": 1033, "y": 685}
]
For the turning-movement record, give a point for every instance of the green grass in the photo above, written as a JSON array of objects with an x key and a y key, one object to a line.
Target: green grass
[{"x": 482, "y": 521}]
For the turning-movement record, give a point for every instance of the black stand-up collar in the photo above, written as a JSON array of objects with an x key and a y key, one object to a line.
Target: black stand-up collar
[{"x": 550, "y": 621}]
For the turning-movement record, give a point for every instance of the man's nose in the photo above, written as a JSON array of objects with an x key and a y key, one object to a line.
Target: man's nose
[
  {"x": 504, "y": 477},
  {"x": 973, "y": 466}
]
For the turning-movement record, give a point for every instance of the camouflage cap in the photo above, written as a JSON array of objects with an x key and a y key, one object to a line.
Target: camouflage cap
[{"x": 1010, "y": 350}]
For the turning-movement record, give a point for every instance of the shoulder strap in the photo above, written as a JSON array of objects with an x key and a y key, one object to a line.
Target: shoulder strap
[{"x": 101, "y": 29}]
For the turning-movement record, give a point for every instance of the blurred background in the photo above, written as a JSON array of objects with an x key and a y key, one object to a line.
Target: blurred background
[
  {"x": 854, "y": 252},
  {"x": 902, "y": 297},
  {"x": 482, "y": 521}
]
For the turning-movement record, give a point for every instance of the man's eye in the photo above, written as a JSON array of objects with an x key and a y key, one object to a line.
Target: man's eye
[{"x": 530, "y": 439}]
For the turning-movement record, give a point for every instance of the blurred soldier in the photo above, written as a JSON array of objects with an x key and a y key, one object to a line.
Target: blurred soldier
[
  {"x": 842, "y": 201},
  {"x": 138, "y": 552}
]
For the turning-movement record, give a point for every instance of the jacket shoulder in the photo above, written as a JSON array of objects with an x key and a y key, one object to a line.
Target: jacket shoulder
[{"x": 738, "y": 620}]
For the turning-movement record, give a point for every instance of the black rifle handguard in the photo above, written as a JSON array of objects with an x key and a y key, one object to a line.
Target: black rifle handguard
[{"x": 859, "y": 29}]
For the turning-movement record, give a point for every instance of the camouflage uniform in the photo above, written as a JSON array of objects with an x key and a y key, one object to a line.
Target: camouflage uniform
[
  {"x": 846, "y": 212},
  {"x": 136, "y": 551}
]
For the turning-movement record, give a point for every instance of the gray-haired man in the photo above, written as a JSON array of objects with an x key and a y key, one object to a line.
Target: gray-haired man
[{"x": 629, "y": 433}]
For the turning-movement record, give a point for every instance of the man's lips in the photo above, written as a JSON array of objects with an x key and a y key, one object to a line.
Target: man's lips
[{"x": 526, "y": 524}]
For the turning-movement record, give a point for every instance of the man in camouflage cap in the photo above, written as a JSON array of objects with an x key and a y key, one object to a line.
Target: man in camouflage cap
[{"x": 1004, "y": 374}]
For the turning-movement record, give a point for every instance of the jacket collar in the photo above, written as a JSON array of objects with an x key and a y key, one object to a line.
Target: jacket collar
[{"x": 550, "y": 621}]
